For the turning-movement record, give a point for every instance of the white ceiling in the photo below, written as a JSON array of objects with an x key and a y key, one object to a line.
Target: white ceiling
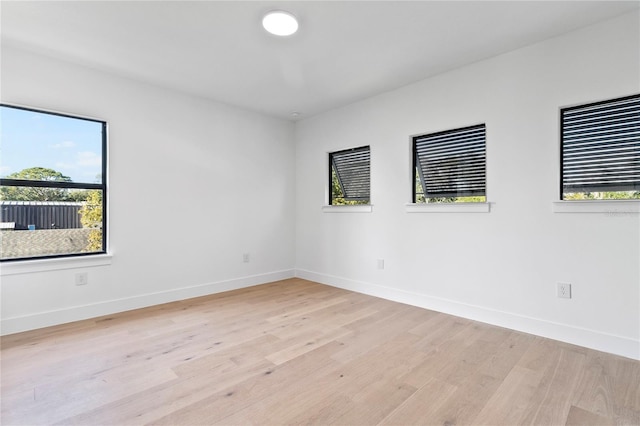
[{"x": 345, "y": 50}]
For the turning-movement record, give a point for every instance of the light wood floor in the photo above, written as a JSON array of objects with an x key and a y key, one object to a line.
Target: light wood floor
[{"x": 297, "y": 352}]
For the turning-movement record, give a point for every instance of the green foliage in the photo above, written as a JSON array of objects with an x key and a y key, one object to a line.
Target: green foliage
[
  {"x": 78, "y": 195},
  {"x": 337, "y": 196},
  {"x": 19, "y": 193},
  {"x": 91, "y": 217},
  {"x": 471, "y": 199},
  {"x": 610, "y": 195},
  {"x": 41, "y": 174}
]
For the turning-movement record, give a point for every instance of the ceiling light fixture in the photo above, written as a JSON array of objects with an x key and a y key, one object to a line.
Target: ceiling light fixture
[{"x": 280, "y": 23}]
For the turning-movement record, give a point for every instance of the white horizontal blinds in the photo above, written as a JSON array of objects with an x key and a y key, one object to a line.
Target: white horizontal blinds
[
  {"x": 601, "y": 146},
  {"x": 452, "y": 163},
  {"x": 352, "y": 168}
]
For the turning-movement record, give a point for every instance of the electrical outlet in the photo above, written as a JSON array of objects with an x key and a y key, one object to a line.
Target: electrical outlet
[
  {"x": 564, "y": 290},
  {"x": 380, "y": 263},
  {"x": 245, "y": 258},
  {"x": 82, "y": 278}
]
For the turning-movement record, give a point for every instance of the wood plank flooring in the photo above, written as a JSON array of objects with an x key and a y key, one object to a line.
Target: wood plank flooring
[{"x": 298, "y": 352}]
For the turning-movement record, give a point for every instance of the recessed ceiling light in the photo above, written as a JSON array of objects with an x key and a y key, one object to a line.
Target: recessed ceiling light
[{"x": 280, "y": 23}]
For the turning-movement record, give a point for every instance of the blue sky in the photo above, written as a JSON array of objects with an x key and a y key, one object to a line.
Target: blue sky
[{"x": 70, "y": 146}]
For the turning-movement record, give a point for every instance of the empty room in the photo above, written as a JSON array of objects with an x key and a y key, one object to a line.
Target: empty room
[{"x": 320, "y": 212}]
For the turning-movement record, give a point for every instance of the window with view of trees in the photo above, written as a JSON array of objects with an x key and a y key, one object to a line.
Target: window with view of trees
[
  {"x": 450, "y": 166},
  {"x": 52, "y": 184},
  {"x": 349, "y": 176},
  {"x": 600, "y": 150}
]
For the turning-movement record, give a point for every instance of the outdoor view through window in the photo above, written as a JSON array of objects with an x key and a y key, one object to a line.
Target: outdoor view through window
[{"x": 52, "y": 184}]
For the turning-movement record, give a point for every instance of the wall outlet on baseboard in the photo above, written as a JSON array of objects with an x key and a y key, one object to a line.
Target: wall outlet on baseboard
[
  {"x": 564, "y": 290},
  {"x": 245, "y": 258},
  {"x": 380, "y": 263}
]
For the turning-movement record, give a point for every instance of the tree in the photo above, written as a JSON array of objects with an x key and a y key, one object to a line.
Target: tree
[
  {"x": 30, "y": 193},
  {"x": 91, "y": 217}
]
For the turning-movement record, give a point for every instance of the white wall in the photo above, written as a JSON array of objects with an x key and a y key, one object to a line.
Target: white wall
[
  {"x": 230, "y": 171},
  {"x": 500, "y": 267},
  {"x": 237, "y": 170}
]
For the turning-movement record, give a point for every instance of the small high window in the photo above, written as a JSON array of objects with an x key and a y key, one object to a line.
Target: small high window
[
  {"x": 349, "y": 176},
  {"x": 600, "y": 150},
  {"x": 450, "y": 166},
  {"x": 52, "y": 185}
]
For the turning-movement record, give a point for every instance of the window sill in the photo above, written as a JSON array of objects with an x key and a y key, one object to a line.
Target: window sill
[
  {"x": 44, "y": 265},
  {"x": 367, "y": 208},
  {"x": 611, "y": 207},
  {"x": 448, "y": 208}
]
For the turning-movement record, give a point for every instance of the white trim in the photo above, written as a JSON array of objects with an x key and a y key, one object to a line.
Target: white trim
[
  {"x": 359, "y": 208},
  {"x": 54, "y": 264},
  {"x": 619, "y": 345},
  {"x": 92, "y": 310},
  {"x": 610, "y": 207},
  {"x": 447, "y": 207}
]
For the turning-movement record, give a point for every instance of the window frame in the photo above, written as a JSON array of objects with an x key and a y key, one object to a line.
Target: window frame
[
  {"x": 562, "y": 112},
  {"x": 102, "y": 186},
  {"x": 416, "y": 171},
  {"x": 331, "y": 170}
]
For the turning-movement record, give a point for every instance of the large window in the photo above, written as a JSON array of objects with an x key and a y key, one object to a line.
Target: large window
[
  {"x": 450, "y": 166},
  {"x": 349, "y": 176},
  {"x": 600, "y": 150},
  {"x": 52, "y": 184}
]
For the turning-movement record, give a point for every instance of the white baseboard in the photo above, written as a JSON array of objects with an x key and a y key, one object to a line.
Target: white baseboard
[
  {"x": 77, "y": 313},
  {"x": 610, "y": 343},
  {"x": 604, "y": 342}
]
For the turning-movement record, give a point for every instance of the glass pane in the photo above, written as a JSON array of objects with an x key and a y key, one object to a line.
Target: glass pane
[
  {"x": 49, "y": 147},
  {"x": 420, "y": 196},
  {"x": 337, "y": 195},
  {"x": 608, "y": 195},
  {"x": 467, "y": 199},
  {"x": 47, "y": 228}
]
